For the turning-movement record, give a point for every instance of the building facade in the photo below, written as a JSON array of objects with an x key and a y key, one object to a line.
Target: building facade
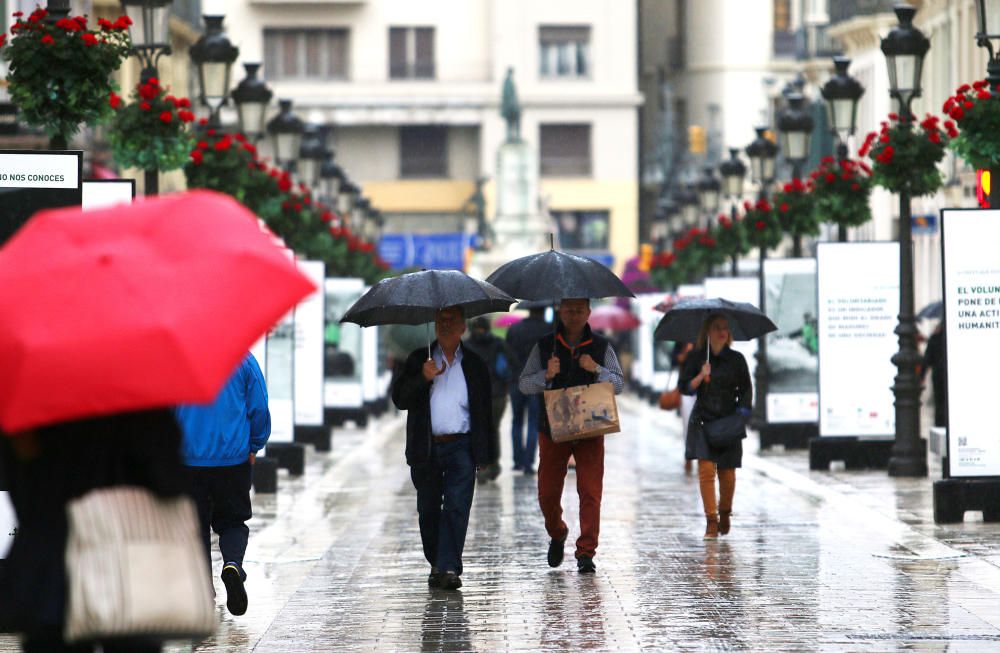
[{"x": 412, "y": 93}]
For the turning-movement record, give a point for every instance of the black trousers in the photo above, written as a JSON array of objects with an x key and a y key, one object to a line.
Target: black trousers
[{"x": 222, "y": 495}]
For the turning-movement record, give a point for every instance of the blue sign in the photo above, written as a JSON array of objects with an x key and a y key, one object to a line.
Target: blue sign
[
  {"x": 924, "y": 225},
  {"x": 428, "y": 251}
]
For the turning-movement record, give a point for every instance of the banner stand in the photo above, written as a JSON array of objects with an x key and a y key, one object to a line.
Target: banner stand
[
  {"x": 855, "y": 452},
  {"x": 971, "y": 475}
]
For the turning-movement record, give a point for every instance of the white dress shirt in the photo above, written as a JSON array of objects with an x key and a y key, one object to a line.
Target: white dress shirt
[{"x": 449, "y": 396}]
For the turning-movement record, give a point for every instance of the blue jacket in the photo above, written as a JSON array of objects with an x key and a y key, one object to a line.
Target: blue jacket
[{"x": 238, "y": 422}]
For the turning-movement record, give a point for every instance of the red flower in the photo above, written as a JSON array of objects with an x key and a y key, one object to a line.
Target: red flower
[
  {"x": 884, "y": 138},
  {"x": 144, "y": 106},
  {"x": 983, "y": 95},
  {"x": 297, "y": 206},
  {"x": 3, "y": 39},
  {"x": 285, "y": 184},
  {"x": 148, "y": 91},
  {"x": 250, "y": 148},
  {"x": 968, "y": 105},
  {"x": 893, "y": 116},
  {"x": 760, "y": 225},
  {"x": 223, "y": 144},
  {"x": 787, "y": 188},
  {"x": 122, "y": 23},
  {"x": 963, "y": 88},
  {"x": 114, "y": 100},
  {"x": 88, "y": 39},
  {"x": 185, "y": 115},
  {"x": 326, "y": 216},
  {"x": 935, "y": 137},
  {"x": 826, "y": 159},
  {"x": 957, "y": 113},
  {"x": 47, "y": 40},
  {"x": 197, "y": 157},
  {"x": 184, "y": 103},
  {"x": 166, "y": 117},
  {"x": 725, "y": 222},
  {"x": 203, "y": 121},
  {"x": 855, "y": 186},
  {"x": 830, "y": 177},
  {"x": 202, "y": 145},
  {"x": 980, "y": 84},
  {"x": 105, "y": 24},
  {"x": 784, "y": 207}
]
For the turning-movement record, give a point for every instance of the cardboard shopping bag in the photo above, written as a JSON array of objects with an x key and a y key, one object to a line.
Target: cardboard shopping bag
[{"x": 582, "y": 411}]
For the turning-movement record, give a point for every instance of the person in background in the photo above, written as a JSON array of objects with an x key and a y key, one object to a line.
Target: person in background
[
  {"x": 494, "y": 352},
  {"x": 575, "y": 356},
  {"x": 50, "y": 466},
  {"x": 221, "y": 440},
  {"x": 446, "y": 393},
  {"x": 521, "y": 338},
  {"x": 721, "y": 382},
  {"x": 934, "y": 362}
]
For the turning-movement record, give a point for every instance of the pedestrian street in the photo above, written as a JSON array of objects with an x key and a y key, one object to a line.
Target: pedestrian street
[{"x": 815, "y": 561}]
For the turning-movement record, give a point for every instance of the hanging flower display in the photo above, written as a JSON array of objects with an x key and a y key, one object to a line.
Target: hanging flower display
[
  {"x": 905, "y": 158},
  {"x": 975, "y": 132},
  {"x": 841, "y": 190},
  {"x": 59, "y": 73},
  {"x": 762, "y": 226},
  {"x": 153, "y": 131},
  {"x": 664, "y": 273},
  {"x": 796, "y": 209},
  {"x": 730, "y": 237}
]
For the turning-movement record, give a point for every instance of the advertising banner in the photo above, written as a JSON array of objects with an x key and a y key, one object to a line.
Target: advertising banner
[
  {"x": 858, "y": 308},
  {"x": 309, "y": 315},
  {"x": 34, "y": 180},
  {"x": 792, "y": 350},
  {"x": 342, "y": 346},
  {"x": 98, "y": 193},
  {"x": 972, "y": 316},
  {"x": 281, "y": 379},
  {"x": 738, "y": 289}
]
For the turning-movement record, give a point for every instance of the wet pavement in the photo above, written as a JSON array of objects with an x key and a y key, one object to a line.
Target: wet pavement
[{"x": 816, "y": 561}]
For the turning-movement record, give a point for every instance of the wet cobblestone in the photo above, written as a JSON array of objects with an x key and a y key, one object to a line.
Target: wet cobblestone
[{"x": 831, "y": 561}]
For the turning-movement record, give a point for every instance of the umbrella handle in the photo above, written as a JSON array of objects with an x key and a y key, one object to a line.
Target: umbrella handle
[{"x": 427, "y": 328}]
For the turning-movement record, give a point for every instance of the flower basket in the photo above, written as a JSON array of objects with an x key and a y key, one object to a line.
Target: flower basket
[
  {"x": 663, "y": 273},
  {"x": 223, "y": 162},
  {"x": 153, "y": 131},
  {"x": 977, "y": 131},
  {"x": 905, "y": 159},
  {"x": 841, "y": 190},
  {"x": 59, "y": 73},
  {"x": 796, "y": 209},
  {"x": 762, "y": 225}
]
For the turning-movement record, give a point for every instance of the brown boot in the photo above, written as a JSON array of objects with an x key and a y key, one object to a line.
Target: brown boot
[
  {"x": 724, "y": 521},
  {"x": 711, "y": 527}
]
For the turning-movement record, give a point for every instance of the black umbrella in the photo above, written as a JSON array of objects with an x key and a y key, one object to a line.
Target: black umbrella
[
  {"x": 415, "y": 298},
  {"x": 683, "y": 321},
  {"x": 553, "y": 276},
  {"x": 933, "y": 311}
]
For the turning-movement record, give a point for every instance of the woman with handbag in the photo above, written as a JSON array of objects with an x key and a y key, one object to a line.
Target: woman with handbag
[
  {"x": 718, "y": 376},
  {"x": 49, "y": 468}
]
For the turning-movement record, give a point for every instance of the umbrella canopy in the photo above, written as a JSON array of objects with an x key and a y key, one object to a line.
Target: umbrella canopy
[
  {"x": 554, "y": 275},
  {"x": 415, "y": 298},
  {"x": 933, "y": 311},
  {"x": 134, "y": 306},
  {"x": 612, "y": 317},
  {"x": 507, "y": 319},
  {"x": 683, "y": 321},
  {"x": 667, "y": 303}
]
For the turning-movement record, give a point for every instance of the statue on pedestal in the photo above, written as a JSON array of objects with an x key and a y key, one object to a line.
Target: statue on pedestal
[{"x": 510, "y": 108}]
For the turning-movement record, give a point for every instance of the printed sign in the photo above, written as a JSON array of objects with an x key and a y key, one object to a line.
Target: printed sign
[
  {"x": 98, "y": 193},
  {"x": 972, "y": 319},
  {"x": 34, "y": 180},
  {"x": 309, "y": 316},
  {"x": 792, "y": 350},
  {"x": 281, "y": 379},
  {"x": 858, "y": 308}
]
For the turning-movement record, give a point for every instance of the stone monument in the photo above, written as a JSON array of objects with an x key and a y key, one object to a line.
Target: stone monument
[{"x": 519, "y": 226}]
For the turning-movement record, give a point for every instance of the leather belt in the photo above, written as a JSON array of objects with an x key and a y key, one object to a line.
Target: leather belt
[{"x": 449, "y": 437}]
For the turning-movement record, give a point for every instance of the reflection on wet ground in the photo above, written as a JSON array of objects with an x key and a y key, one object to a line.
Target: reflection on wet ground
[{"x": 842, "y": 561}]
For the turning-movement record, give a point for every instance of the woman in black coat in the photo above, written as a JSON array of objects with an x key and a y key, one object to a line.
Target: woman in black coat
[
  {"x": 721, "y": 382},
  {"x": 48, "y": 467}
]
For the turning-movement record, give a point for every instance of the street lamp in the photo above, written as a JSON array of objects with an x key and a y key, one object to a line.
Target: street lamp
[
  {"x": 733, "y": 172},
  {"x": 286, "y": 130},
  {"x": 709, "y": 189},
  {"x": 345, "y": 199},
  {"x": 762, "y": 152},
  {"x": 214, "y": 55},
  {"x": 358, "y": 214},
  {"x": 689, "y": 202},
  {"x": 330, "y": 178},
  {"x": 989, "y": 30},
  {"x": 904, "y": 48},
  {"x": 795, "y": 126},
  {"x": 842, "y": 93},
  {"x": 149, "y": 32},
  {"x": 251, "y": 97},
  {"x": 311, "y": 152}
]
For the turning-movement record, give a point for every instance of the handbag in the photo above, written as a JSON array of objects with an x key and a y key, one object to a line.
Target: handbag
[
  {"x": 135, "y": 567},
  {"x": 670, "y": 399},
  {"x": 582, "y": 411},
  {"x": 725, "y": 431}
]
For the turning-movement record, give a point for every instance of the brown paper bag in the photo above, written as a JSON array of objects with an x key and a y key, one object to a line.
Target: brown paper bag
[{"x": 582, "y": 411}]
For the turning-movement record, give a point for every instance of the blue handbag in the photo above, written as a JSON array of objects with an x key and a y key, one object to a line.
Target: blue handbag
[{"x": 725, "y": 431}]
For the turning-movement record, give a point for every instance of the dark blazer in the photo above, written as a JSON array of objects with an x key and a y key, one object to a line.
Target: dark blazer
[{"x": 412, "y": 392}]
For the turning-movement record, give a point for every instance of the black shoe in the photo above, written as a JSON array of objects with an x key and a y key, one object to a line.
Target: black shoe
[
  {"x": 434, "y": 578},
  {"x": 585, "y": 565},
  {"x": 556, "y": 552},
  {"x": 236, "y": 593},
  {"x": 450, "y": 581},
  {"x": 494, "y": 471}
]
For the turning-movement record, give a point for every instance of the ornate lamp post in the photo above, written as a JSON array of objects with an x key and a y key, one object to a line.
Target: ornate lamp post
[
  {"x": 689, "y": 201},
  {"x": 842, "y": 93},
  {"x": 795, "y": 126},
  {"x": 286, "y": 130},
  {"x": 349, "y": 192},
  {"x": 311, "y": 153},
  {"x": 988, "y": 23},
  {"x": 251, "y": 97},
  {"x": 904, "y": 49},
  {"x": 214, "y": 55},
  {"x": 149, "y": 32},
  {"x": 358, "y": 215},
  {"x": 330, "y": 178},
  {"x": 709, "y": 190},
  {"x": 762, "y": 153},
  {"x": 733, "y": 172}
]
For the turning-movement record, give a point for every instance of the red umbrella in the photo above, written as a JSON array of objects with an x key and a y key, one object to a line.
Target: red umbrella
[
  {"x": 609, "y": 316},
  {"x": 134, "y": 306}
]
